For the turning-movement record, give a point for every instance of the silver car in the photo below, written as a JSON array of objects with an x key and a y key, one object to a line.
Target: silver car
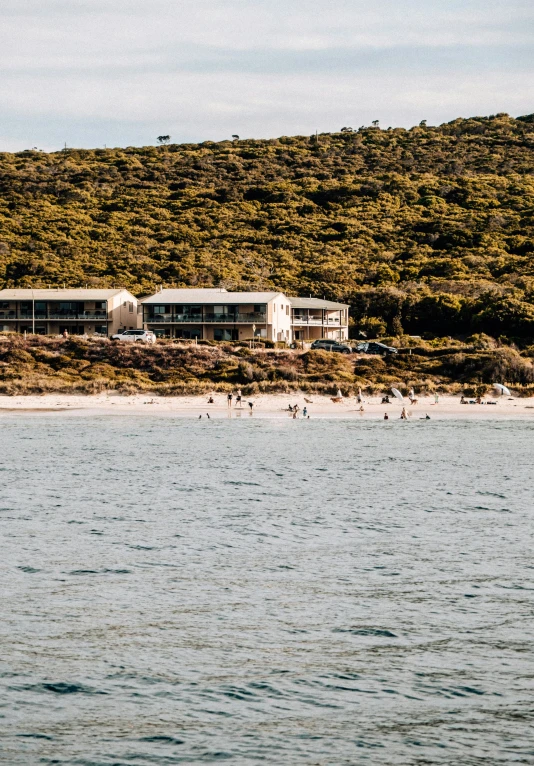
[{"x": 135, "y": 336}]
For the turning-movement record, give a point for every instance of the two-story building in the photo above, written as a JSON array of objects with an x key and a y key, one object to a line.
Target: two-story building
[
  {"x": 78, "y": 311},
  {"x": 216, "y": 314},
  {"x": 313, "y": 318}
]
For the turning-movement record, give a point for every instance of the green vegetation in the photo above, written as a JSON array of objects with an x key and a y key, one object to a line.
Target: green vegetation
[
  {"x": 428, "y": 230},
  {"x": 39, "y": 365}
]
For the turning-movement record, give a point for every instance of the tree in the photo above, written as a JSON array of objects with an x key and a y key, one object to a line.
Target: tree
[
  {"x": 346, "y": 130},
  {"x": 375, "y": 123},
  {"x": 164, "y": 139},
  {"x": 235, "y": 138}
]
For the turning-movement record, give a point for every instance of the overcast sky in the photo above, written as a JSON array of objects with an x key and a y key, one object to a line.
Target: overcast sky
[{"x": 121, "y": 72}]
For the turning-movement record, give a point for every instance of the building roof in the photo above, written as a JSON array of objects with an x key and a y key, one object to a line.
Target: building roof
[
  {"x": 208, "y": 295},
  {"x": 315, "y": 303},
  {"x": 76, "y": 294}
]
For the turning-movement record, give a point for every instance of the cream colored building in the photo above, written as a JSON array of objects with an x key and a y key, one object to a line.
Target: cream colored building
[
  {"x": 314, "y": 318},
  {"x": 216, "y": 314},
  {"x": 78, "y": 311}
]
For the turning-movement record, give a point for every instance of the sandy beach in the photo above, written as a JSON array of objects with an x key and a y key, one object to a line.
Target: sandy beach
[{"x": 268, "y": 405}]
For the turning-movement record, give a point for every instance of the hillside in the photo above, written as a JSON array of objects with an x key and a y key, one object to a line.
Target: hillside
[{"x": 422, "y": 230}]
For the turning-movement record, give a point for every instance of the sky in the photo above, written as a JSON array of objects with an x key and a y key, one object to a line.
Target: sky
[{"x": 94, "y": 73}]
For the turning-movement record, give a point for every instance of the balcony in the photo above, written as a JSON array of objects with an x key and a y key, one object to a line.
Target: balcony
[
  {"x": 208, "y": 318},
  {"x": 305, "y": 321},
  {"x": 25, "y": 316},
  {"x": 86, "y": 316}
]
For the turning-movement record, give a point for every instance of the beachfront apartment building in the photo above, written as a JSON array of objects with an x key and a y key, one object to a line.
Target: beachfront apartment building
[
  {"x": 78, "y": 311},
  {"x": 313, "y": 318},
  {"x": 218, "y": 314}
]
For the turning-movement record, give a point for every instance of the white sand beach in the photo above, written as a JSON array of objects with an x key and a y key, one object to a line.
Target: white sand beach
[{"x": 267, "y": 405}]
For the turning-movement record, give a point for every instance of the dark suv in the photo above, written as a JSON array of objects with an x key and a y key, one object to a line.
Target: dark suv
[
  {"x": 374, "y": 347},
  {"x": 331, "y": 345}
]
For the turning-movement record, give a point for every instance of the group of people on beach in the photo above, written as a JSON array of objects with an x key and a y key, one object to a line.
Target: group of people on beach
[
  {"x": 238, "y": 400},
  {"x": 230, "y": 399},
  {"x": 295, "y": 409}
]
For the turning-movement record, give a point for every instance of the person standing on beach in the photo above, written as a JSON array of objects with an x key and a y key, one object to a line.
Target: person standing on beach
[
  {"x": 404, "y": 415},
  {"x": 229, "y": 400},
  {"x": 436, "y": 398},
  {"x": 238, "y": 398},
  {"x": 251, "y": 405}
]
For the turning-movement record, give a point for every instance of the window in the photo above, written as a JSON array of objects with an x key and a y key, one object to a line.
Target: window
[
  {"x": 188, "y": 334},
  {"x": 67, "y": 308},
  {"x": 159, "y": 309},
  {"x": 192, "y": 311},
  {"x": 287, "y": 310},
  {"x": 220, "y": 334},
  {"x": 130, "y": 307},
  {"x": 225, "y": 310},
  {"x": 101, "y": 305}
]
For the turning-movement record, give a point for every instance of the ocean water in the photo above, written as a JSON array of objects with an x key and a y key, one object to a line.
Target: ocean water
[{"x": 265, "y": 591}]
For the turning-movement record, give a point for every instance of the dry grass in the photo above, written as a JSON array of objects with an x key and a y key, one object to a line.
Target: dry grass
[{"x": 50, "y": 365}]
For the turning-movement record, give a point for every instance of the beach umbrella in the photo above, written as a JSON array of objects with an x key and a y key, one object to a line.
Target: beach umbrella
[
  {"x": 397, "y": 394},
  {"x": 502, "y": 389}
]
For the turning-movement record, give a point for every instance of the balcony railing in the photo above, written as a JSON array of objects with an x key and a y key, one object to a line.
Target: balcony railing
[
  {"x": 301, "y": 320},
  {"x": 28, "y": 316},
  {"x": 206, "y": 318},
  {"x": 84, "y": 315}
]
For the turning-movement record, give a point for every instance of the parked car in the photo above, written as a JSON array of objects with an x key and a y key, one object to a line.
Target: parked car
[
  {"x": 331, "y": 345},
  {"x": 135, "y": 336},
  {"x": 374, "y": 347}
]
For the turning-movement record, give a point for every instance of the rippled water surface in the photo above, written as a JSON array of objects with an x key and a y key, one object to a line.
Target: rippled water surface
[{"x": 278, "y": 591}]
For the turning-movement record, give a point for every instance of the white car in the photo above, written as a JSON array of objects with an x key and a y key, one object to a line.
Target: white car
[{"x": 135, "y": 336}]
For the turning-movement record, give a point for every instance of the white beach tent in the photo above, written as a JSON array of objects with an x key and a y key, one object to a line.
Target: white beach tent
[
  {"x": 339, "y": 395},
  {"x": 502, "y": 389},
  {"x": 397, "y": 394}
]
